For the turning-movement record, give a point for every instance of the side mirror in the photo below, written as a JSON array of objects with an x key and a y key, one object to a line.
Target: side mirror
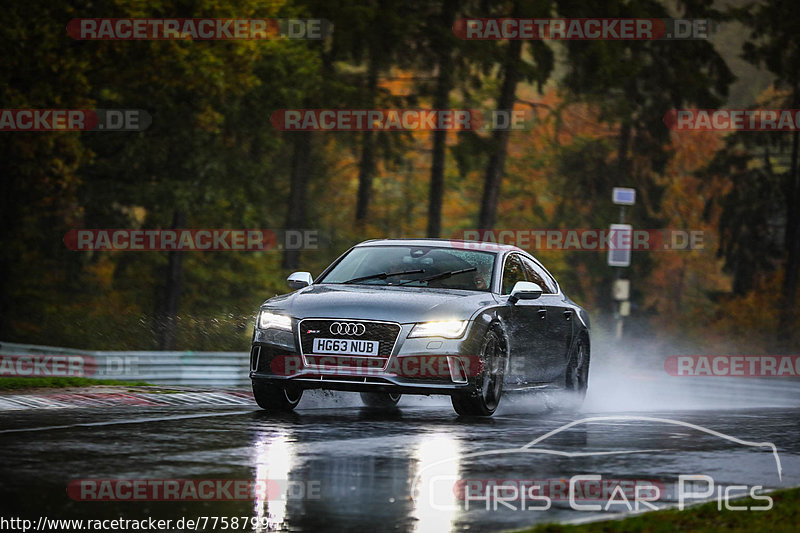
[
  {"x": 298, "y": 280},
  {"x": 524, "y": 290}
]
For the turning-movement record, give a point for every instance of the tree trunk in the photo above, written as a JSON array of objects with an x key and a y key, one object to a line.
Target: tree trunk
[
  {"x": 788, "y": 312},
  {"x": 167, "y": 317},
  {"x": 497, "y": 160},
  {"x": 8, "y": 217},
  {"x": 623, "y": 146},
  {"x": 444, "y": 82},
  {"x": 366, "y": 168},
  {"x": 298, "y": 193}
]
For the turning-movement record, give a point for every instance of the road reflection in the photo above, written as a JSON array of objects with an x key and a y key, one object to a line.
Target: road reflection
[
  {"x": 436, "y": 471},
  {"x": 359, "y": 474},
  {"x": 273, "y": 461}
]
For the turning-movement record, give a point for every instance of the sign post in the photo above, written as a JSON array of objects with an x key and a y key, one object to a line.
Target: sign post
[{"x": 619, "y": 255}]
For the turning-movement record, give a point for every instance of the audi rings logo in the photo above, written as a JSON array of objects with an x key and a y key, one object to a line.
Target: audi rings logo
[{"x": 348, "y": 328}]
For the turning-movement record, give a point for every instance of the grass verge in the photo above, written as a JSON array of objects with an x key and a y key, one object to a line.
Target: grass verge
[
  {"x": 784, "y": 516},
  {"x": 17, "y": 383}
]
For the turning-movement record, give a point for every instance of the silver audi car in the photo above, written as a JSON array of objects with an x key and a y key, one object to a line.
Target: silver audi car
[{"x": 424, "y": 316}]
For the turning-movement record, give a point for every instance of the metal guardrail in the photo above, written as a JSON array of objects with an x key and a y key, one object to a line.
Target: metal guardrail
[{"x": 157, "y": 367}]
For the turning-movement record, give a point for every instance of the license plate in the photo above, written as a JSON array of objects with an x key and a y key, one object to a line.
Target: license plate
[{"x": 345, "y": 346}]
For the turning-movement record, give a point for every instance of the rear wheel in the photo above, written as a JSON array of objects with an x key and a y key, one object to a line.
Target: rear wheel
[
  {"x": 275, "y": 398},
  {"x": 489, "y": 385},
  {"x": 380, "y": 399}
]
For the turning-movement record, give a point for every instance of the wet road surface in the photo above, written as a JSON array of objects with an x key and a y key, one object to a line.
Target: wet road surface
[
  {"x": 334, "y": 465},
  {"x": 348, "y": 468}
]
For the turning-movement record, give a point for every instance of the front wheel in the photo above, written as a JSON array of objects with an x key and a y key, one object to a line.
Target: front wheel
[
  {"x": 275, "y": 398},
  {"x": 489, "y": 384},
  {"x": 380, "y": 399}
]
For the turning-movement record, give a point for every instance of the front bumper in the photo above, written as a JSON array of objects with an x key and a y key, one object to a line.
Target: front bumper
[
  {"x": 424, "y": 365},
  {"x": 363, "y": 384}
]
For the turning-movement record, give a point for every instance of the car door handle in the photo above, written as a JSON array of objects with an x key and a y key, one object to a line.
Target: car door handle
[
  {"x": 542, "y": 313},
  {"x": 568, "y": 314}
]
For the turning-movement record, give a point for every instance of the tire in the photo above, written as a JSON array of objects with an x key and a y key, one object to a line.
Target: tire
[
  {"x": 380, "y": 399},
  {"x": 275, "y": 398},
  {"x": 577, "y": 375},
  {"x": 489, "y": 385}
]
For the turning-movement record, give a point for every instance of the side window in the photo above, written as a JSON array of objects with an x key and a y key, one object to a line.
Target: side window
[
  {"x": 536, "y": 274},
  {"x": 512, "y": 273}
]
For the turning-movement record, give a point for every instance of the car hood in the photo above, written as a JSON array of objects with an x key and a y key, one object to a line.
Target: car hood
[{"x": 380, "y": 302}]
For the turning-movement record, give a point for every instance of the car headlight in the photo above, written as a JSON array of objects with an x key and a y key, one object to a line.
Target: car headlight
[
  {"x": 268, "y": 319},
  {"x": 449, "y": 329}
]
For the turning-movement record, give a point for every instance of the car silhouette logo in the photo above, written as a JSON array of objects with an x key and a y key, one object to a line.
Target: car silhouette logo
[{"x": 530, "y": 447}]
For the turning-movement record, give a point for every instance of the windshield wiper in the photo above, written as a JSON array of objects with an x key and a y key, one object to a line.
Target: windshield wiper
[
  {"x": 442, "y": 275},
  {"x": 384, "y": 275}
]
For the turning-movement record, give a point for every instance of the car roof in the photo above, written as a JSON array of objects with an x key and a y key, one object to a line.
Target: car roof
[{"x": 443, "y": 243}]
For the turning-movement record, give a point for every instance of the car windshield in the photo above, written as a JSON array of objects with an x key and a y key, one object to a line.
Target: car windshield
[{"x": 414, "y": 266}]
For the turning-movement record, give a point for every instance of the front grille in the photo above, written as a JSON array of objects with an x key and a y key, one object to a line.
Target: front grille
[{"x": 384, "y": 332}]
